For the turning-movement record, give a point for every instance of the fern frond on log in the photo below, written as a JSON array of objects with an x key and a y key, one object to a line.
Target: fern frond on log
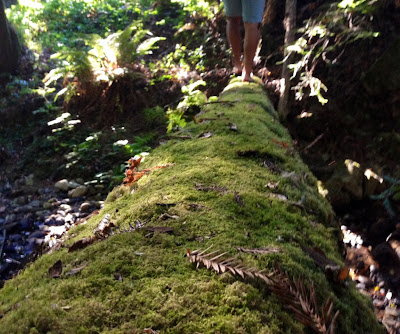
[{"x": 295, "y": 296}]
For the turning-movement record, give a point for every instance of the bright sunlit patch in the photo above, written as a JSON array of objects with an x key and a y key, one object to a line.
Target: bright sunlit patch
[
  {"x": 59, "y": 119},
  {"x": 351, "y": 165},
  {"x": 324, "y": 192},
  {"x": 121, "y": 142},
  {"x": 368, "y": 173},
  {"x": 305, "y": 114}
]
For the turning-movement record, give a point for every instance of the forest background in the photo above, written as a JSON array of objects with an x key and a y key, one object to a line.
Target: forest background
[{"x": 98, "y": 82}]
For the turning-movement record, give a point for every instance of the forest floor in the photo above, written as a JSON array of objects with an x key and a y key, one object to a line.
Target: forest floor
[{"x": 337, "y": 131}]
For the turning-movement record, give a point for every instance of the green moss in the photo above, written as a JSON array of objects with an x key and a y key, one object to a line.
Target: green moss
[{"x": 138, "y": 280}]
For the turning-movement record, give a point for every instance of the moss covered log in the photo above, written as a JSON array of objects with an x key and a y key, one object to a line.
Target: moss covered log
[{"x": 237, "y": 181}]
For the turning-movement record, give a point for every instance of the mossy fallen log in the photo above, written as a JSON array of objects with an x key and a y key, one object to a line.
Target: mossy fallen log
[{"x": 237, "y": 186}]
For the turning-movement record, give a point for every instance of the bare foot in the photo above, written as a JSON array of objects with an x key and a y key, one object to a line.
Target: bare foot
[
  {"x": 247, "y": 77},
  {"x": 237, "y": 69}
]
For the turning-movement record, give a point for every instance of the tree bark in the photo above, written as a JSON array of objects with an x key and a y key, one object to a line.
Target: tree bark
[
  {"x": 289, "y": 24},
  {"x": 10, "y": 48}
]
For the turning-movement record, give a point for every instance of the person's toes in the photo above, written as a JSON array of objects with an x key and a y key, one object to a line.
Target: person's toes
[
  {"x": 237, "y": 70},
  {"x": 247, "y": 78}
]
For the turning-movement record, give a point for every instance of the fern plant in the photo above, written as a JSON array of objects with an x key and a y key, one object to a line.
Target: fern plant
[{"x": 101, "y": 59}]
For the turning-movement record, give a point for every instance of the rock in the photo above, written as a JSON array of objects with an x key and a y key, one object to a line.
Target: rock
[
  {"x": 10, "y": 218},
  {"x": 80, "y": 181},
  {"x": 35, "y": 203},
  {"x": 29, "y": 180},
  {"x": 66, "y": 207},
  {"x": 62, "y": 185},
  {"x": 78, "y": 192},
  {"x": 85, "y": 207},
  {"x": 47, "y": 205},
  {"x": 69, "y": 219},
  {"x": 73, "y": 185},
  {"x": 99, "y": 187},
  {"x": 21, "y": 200}
]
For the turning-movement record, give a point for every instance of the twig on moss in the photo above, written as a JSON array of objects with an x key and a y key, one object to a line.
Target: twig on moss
[{"x": 293, "y": 292}]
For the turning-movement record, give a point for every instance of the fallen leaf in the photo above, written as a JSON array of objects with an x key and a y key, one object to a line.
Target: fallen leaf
[
  {"x": 80, "y": 244},
  {"x": 166, "y": 204},
  {"x": 166, "y": 216},
  {"x": 263, "y": 250},
  {"x": 118, "y": 277},
  {"x": 280, "y": 197},
  {"x": 205, "y": 135},
  {"x": 272, "y": 185},
  {"x": 74, "y": 271},
  {"x": 195, "y": 206},
  {"x": 233, "y": 127},
  {"x": 149, "y": 331},
  {"x": 343, "y": 274},
  {"x": 238, "y": 199},
  {"x": 55, "y": 270},
  {"x": 202, "y": 187}
]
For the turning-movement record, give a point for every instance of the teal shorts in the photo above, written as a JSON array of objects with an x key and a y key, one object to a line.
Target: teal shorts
[{"x": 251, "y": 10}]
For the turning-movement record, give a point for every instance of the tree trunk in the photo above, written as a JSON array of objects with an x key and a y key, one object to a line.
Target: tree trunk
[
  {"x": 290, "y": 24},
  {"x": 10, "y": 48},
  {"x": 232, "y": 182}
]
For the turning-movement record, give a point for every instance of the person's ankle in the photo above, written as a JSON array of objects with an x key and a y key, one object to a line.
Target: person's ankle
[{"x": 246, "y": 76}]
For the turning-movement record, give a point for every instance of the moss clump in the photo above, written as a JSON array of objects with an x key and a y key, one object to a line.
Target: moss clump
[{"x": 219, "y": 188}]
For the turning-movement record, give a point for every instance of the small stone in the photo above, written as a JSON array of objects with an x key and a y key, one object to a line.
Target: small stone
[
  {"x": 69, "y": 219},
  {"x": 47, "y": 205},
  {"x": 29, "y": 180},
  {"x": 62, "y": 185},
  {"x": 10, "y": 218},
  {"x": 99, "y": 204},
  {"x": 35, "y": 203},
  {"x": 21, "y": 200},
  {"x": 65, "y": 207},
  {"x": 80, "y": 180},
  {"x": 85, "y": 207},
  {"x": 78, "y": 192},
  {"x": 73, "y": 185}
]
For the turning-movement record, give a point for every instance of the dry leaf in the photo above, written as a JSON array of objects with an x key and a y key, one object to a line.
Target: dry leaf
[
  {"x": 205, "y": 135},
  {"x": 118, "y": 277},
  {"x": 55, "y": 270},
  {"x": 238, "y": 199},
  {"x": 149, "y": 331},
  {"x": 343, "y": 274},
  {"x": 74, "y": 271},
  {"x": 263, "y": 250},
  {"x": 272, "y": 185},
  {"x": 280, "y": 197},
  {"x": 166, "y": 216},
  {"x": 80, "y": 244},
  {"x": 233, "y": 127},
  {"x": 202, "y": 187}
]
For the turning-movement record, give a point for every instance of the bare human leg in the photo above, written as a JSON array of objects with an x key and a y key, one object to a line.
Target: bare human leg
[
  {"x": 251, "y": 39},
  {"x": 233, "y": 31}
]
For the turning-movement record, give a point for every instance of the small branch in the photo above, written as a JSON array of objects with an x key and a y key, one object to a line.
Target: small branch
[{"x": 316, "y": 140}]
